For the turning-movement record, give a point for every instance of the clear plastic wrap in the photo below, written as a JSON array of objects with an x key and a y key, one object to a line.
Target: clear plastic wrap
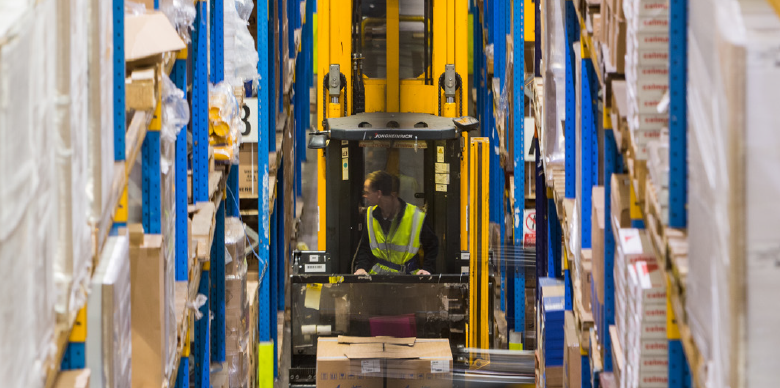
[
  {"x": 236, "y": 303},
  {"x": 225, "y": 124},
  {"x": 101, "y": 113},
  {"x": 734, "y": 197},
  {"x": 29, "y": 171},
  {"x": 175, "y": 115},
  {"x": 109, "y": 338},
  {"x": 554, "y": 73},
  {"x": 133, "y": 8},
  {"x": 240, "y": 50},
  {"x": 182, "y": 14}
]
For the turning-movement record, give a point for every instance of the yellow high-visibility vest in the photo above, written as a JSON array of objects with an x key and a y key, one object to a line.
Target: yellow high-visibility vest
[{"x": 394, "y": 253}]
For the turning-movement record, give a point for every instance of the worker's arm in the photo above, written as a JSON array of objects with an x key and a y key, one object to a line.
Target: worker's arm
[
  {"x": 364, "y": 259},
  {"x": 430, "y": 245}
]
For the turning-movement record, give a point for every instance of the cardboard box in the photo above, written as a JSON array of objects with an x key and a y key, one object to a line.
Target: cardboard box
[
  {"x": 140, "y": 88},
  {"x": 149, "y": 35},
  {"x": 148, "y": 309},
  {"x": 597, "y": 240},
  {"x": 572, "y": 358},
  {"x": 352, "y": 362},
  {"x": 618, "y": 359},
  {"x": 553, "y": 376},
  {"x": 78, "y": 378},
  {"x": 617, "y": 42},
  {"x": 586, "y": 277},
  {"x": 247, "y": 173},
  {"x": 621, "y": 212}
]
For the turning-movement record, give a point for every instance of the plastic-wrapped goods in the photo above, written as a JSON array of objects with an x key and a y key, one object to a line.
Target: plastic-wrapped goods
[
  {"x": 225, "y": 125},
  {"x": 240, "y": 50},
  {"x": 237, "y": 333},
  {"x": 734, "y": 197},
  {"x": 182, "y": 14},
  {"x": 29, "y": 214},
  {"x": 235, "y": 244},
  {"x": 73, "y": 260},
  {"x": 237, "y": 325},
  {"x": 175, "y": 115},
  {"x": 551, "y": 141},
  {"x": 101, "y": 108},
  {"x": 109, "y": 336}
]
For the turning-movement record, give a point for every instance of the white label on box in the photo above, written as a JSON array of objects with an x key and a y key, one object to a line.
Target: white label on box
[
  {"x": 442, "y": 179},
  {"x": 464, "y": 270},
  {"x": 442, "y": 168},
  {"x": 345, "y": 152},
  {"x": 657, "y": 346},
  {"x": 314, "y": 258},
  {"x": 314, "y": 268},
  {"x": 657, "y": 362},
  {"x": 442, "y": 188},
  {"x": 249, "y": 117},
  {"x": 653, "y": 23},
  {"x": 440, "y": 366},
  {"x": 440, "y": 154},
  {"x": 653, "y": 39},
  {"x": 653, "y": 7},
  {"x": 630, "y": 241},
  {"x": 370, "y": 366},
  {"x": 345, "y": 169}
]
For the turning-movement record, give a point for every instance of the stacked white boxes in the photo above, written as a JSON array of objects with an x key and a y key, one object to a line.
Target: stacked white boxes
[
  {"x": 646, "y": 346},
  {"x": 640, "y": 318},
  {"x": 647, "y": 69}
]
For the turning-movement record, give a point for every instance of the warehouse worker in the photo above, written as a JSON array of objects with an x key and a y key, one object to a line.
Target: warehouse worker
[{"x": 395, "y": 232}]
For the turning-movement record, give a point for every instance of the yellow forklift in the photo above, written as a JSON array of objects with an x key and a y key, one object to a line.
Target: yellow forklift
[{"x": 392, "y": 87}]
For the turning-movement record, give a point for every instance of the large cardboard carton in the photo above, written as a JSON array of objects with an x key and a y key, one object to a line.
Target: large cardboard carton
[
  {"x": 149, "y": 35},
  {"x": 621, "y": 215},
  {"x": 367, "y": 362},
  {"x": 597, "y": 241},
  {"x": 247, "y": 170},
  {"x": 78, "y": 378},
  {"x": 148, "y": 308},
  {"x": 572, "y": 362}
]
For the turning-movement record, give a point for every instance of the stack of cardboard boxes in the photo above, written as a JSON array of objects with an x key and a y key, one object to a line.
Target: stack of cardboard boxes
[
  {"x": 647, "y": 71},
  {"x": 572, "y": 357},
  {"x": 383, "y": 362},
  {"x": 640, "y": 313},
  {"x": 646, "y": 350}
]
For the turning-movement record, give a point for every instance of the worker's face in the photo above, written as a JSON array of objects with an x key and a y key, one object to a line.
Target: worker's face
[{"x": 371, "y": 196}]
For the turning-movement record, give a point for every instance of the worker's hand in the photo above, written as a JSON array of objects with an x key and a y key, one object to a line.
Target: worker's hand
[
  {"x": 361, "y": 271},
  {"x": 423, "y": 272}
]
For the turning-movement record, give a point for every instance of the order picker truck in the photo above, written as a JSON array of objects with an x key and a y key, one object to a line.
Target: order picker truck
[{"x": 391, "y": 87}]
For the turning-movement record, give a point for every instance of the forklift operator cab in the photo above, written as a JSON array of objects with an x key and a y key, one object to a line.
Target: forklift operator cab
[{"x": 423, "y": 151}]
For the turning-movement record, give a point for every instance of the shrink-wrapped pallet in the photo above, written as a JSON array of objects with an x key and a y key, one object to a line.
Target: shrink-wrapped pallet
[
  {"x": 734, "y": 195},
  {"x": 109, "y": 336},
  {"x": 100, "y": 107},
  {"x": 29, "y": 197},
  {"x": 73, "y": 261}
]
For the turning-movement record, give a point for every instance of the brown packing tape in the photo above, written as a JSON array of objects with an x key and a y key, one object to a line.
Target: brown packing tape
[{"x": 343, "y": 339}]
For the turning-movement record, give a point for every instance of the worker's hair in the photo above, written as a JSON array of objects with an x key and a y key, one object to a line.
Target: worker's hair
[{"x": 382, "y": 181}]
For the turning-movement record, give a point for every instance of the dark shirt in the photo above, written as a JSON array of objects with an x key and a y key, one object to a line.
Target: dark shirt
[{"x": 429, "y": 243}]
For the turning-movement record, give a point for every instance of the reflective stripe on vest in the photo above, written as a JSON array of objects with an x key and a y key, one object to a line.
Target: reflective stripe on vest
[{"x": 404, "y": 238}]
